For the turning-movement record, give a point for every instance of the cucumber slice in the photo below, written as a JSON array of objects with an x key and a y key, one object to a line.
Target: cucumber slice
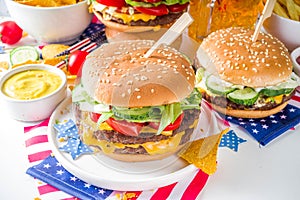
[
  {"x": 22, "y": 54},
  {"x": 218, "y": 86},
  {"x": 283, "y": 88},
  {"x": 246, "y": 96},
  {"x": 132, "y": 114}
]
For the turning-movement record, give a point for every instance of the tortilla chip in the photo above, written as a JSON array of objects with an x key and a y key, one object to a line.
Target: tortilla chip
[
  {"x": 203, "y": 152},
  {"x": 40, "y": 3},
  {"x": 27, "y": 62},
  {"x": 52, "y": 50},
  {"x": 4, "y": 66},
  {"x": 54, "y": 61}
]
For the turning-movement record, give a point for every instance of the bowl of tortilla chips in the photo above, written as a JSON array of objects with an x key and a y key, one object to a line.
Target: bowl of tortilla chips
[{"x": 51, "y": 21}]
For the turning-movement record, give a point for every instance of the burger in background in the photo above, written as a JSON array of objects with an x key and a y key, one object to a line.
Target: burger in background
[
  {"x": 138, "y": 15},
  {"x": 132, "y": 108},
  {"x": 242, "y": 78}
]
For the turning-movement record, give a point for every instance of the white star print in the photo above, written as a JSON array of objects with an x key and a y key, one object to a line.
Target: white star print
[
  {"x": 86, "y": 185},
  {"x": 282, "y": 117},
  {"x": 253, "y": 124},
  {"x": 101, "y": 191},
  {"x": 292, "y": 110},
  {"x": 272, "y": 116},
  {"x": 242, "y": 123},
  {"x": 73, "y": 178},
  {"x": 274, "y": 121},
  {"x": 47, "y": 166},
  {"x": 58, "y": 164},
  {"x": 255, "y": 131},
  {"x": 262, "y": 120},
  {"x": 59, "y": 172},
  {"x": 265, "y": 126}
]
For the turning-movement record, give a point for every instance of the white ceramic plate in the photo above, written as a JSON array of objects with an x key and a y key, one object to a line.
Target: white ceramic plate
[{"x": 101, "y": 171}]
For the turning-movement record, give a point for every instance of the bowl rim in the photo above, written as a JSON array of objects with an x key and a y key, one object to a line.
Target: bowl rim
[
  {"x": 14, "y": 3},
  {"x": 285, "y": 19},
  {"x": 22, "y": 68}
]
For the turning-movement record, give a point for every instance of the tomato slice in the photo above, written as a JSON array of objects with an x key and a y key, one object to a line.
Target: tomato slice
[
  {"x": 178, "y": 7},
  {"x": 157, "y": 11},
  {"x": 171, "y": 126},
  {"x": 124, "y": 127},
  {"x": 76, "y": 60},
  {"x": 114, "y": 3},
  {"x": 94, "y": 116}
]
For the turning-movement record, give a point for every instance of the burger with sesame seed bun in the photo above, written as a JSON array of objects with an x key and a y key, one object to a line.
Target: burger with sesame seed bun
[
  {"x": 242, "y": 78},
  {"x": 133, "y": 108},
  {"x": 138, "y": 15}
]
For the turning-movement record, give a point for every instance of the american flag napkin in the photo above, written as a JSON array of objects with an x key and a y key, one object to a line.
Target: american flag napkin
[
  {"x": 264, "y": 130},
  {"x": 55, "y": 182}
]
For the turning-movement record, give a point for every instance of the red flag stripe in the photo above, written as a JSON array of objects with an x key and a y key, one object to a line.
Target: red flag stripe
[
  {"x": 195, "y": 186},
  {"x": 296, "y": 98},
  {"x": 36, "y": 140},
  {"x": 163, "y": 192},
  {"x": 44, "y": 189},
  {"x": 39, "y": 156},
  {"x": 43, "y": 123}
]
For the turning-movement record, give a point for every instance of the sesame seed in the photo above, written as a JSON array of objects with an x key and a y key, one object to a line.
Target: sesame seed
[{"x": 138, "y": 97}]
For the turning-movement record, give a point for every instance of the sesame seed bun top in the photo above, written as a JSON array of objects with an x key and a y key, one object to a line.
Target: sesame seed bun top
[
  {"x": 118, "y": 74},
  {"x": 240, "y": 61}
]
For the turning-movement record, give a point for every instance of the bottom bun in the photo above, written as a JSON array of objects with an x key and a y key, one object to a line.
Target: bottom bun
[
  {"x": 122, "y": 27},
  {"x": 249, "y": 113},
  {"x": 143, "y": 157}
]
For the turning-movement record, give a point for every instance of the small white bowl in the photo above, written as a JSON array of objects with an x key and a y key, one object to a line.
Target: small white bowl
[
  {"x": 286, "y": 30},
  {"x": 62, "y": 24},
  {"x": 294, "y": 55},
  {"x": 34, "y": 109}
]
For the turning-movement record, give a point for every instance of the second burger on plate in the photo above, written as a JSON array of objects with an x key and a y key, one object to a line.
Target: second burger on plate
[
  {"x": 242, "y": 78},
  {"x": 133, "y": 108}
]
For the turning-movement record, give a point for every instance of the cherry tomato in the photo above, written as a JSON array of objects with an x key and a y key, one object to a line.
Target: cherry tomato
[
  {"x": 10, "y": 32},
  {"x": 178, "y": 7},
  {"x": 125, "y": 127},
  {"x": 171, "y": 126},
  {"x": 114, "y": 3},
  {"x": 94, "y": 116},
  {"x": 157, "y": 11},
  {"x": 75, "y": 62}
]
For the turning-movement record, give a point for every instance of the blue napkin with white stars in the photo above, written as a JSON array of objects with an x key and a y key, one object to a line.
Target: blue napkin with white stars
[
  {"x": 231, "y": 140},
  {"x": 52, "y": 172},
  {"x": 73, "y": 144},
  {"x": 264, "y": 130}
]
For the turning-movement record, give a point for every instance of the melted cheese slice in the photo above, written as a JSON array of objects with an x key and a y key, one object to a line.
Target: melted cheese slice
[
  {"x": 277, "y": 99},
  {"x": 134, "y": 17}
]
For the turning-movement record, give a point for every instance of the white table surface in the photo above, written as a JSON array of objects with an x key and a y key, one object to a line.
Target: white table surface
[{"x": 254, "y": 172}]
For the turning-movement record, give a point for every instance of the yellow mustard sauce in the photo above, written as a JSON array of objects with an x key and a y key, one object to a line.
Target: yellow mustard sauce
[{"x": 31, "y": 84}]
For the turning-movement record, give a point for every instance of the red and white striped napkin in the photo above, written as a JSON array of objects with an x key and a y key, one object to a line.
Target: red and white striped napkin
[{"x": 38, "y": 148}]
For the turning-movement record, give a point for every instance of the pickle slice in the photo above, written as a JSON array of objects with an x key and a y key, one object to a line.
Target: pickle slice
[
  {"x": 218, "y": 86},
  {"x": 246, "y": 96},
  {"x": 283, "y": 88}
]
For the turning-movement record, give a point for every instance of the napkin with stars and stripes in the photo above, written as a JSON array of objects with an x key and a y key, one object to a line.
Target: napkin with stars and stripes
[
  {"x": 265, "y": 130},
  {"x": 55, "y": 182}
]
